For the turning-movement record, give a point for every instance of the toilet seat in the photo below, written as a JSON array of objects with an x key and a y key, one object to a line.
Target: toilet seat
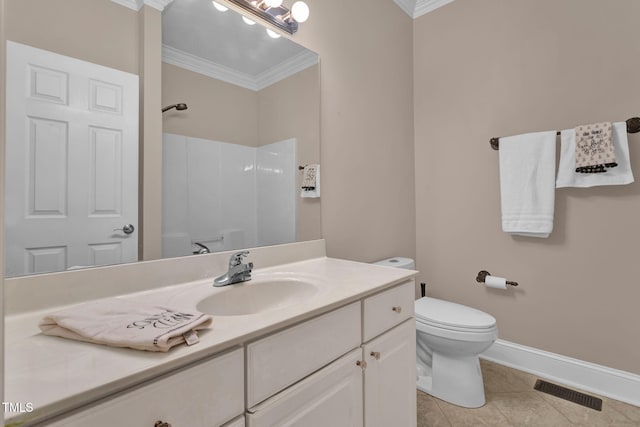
[{"x": 447, "y": 315}]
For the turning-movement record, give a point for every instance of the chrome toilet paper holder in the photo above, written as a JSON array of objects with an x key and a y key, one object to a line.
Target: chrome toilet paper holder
[{"x": 482, "y": 275}]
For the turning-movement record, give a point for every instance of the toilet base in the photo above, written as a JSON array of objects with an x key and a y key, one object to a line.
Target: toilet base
[{"x": 456, "y": 380}]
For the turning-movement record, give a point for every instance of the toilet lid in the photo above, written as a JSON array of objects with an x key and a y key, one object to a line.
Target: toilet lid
[{"x": 450, "y": 314}]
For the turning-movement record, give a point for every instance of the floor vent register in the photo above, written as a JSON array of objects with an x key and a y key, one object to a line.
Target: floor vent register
[{"x": 568, "y": 394}]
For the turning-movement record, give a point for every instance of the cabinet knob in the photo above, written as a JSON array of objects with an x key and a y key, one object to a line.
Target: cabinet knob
[
  {"x": 397, "y": 309},
  {"x": 161, "y": 424},
  {"x": 362, "y": 364},
  {"x": 375, "y": 355}
]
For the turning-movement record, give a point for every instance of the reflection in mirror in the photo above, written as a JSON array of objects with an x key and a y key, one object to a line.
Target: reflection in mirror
[
  {"x": 230, "y": 176},
  {"x": 240, "y": 112},
  {"x": 71, "y": 167}
]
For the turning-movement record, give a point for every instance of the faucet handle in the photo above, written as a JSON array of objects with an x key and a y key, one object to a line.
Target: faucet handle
[{"x": 236, "y": 259}]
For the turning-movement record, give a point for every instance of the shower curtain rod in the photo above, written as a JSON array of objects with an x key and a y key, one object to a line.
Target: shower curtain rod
[{"x": 633, "y": 126}]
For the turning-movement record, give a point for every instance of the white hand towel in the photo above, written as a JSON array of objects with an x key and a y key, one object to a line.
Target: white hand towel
[
  {"x": 527, "y": 174},
  {"x": 620, "y": 175},
  {"x": 121, "y": 323},
  {"x": 308, "y": 190}
]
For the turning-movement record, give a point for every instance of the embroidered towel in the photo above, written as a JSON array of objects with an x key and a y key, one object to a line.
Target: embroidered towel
[
  {"x": 594, "y": 148},
  {"x": 527, "y": 174},
  {"x": 621, "y": 175},
  {"x": 120, "y": 323},
  {"x": 309, "y": 177},
  {"x": 311, "y": 181}
]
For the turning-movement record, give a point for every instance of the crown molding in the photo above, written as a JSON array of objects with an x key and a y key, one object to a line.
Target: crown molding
[
  {"x": 199, "y": 65},
  {"x": 208, "y": 68},
  {"x": 417, "y": 8},
  {"x": 426, "y": 6},
  {"x": 291, "y": 66},
  {"x": 408, "y": 6},
  {"x": 137, "y": 4}
]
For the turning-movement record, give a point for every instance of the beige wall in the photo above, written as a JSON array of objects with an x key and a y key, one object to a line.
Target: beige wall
[
  {"x": 368, "y": 209},
  {"x": 97, "y": 31},
  {"x": 150, "y": 129},
  {"x": 503, "y": 67},
  {"x": 291, "y": 108},
  {"x": 217, "y": 110}
]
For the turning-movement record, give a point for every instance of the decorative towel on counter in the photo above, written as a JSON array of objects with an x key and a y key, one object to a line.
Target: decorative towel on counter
[
  {"x": 527, "y": 175},
  {"x": 311, "y": 181},
  {"x": 594, "y": 148},
  {"x": 567, "y": 175},
  {"x": 121, "y": 323}
]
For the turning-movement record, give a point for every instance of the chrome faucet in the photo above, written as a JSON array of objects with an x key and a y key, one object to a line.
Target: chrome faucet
[{"x": 238, "y": 272}]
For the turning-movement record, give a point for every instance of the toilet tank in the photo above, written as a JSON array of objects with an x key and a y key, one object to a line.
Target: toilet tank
[{"x": 398, "y": 262}]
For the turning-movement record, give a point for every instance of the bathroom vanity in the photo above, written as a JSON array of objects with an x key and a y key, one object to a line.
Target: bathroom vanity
[{"x": 340, "y": 354}]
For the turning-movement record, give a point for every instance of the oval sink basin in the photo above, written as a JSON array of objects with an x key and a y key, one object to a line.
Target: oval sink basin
[{"x": 257, "y": 296}]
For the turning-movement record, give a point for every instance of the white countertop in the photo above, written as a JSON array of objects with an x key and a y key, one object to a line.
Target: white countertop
[{"x": 56, "y": 374}]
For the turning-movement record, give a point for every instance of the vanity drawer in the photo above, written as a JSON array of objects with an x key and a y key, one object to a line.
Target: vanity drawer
[
  {"x": 387, "y": 309},
  {"x": 205, "y": 395},
  {"x": 279, "y": 360},
  {"x": 333, "y": 396}
]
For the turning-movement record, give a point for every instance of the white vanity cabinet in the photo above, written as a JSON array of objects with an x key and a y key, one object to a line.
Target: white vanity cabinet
[
  {"x": 207, "y": 394},
  {"x": 389, "y": 335},
  {"x": 329, "y": 397},
  {"x": 372, "y": 385},
  {"x": 353, "y": 366},
  {"x": 390, "y": 378}
]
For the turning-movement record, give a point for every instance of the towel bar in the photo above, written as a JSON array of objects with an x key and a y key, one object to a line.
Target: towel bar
[
  {"x": 482, "y": 275},
  {"x": 633, "y": 126}
]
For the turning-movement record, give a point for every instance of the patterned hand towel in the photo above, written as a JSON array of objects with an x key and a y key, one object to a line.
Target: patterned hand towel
[
  {"x": 120, "y": 323},
  {"x": 311, "y": 181},
  {"x": 594, "y": 148},
  {"x": 567, "y": 175}
]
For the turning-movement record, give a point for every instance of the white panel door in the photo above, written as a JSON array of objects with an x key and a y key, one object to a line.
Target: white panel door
[
  {"x": 390, "y": 378},
  {"x": 71, "y": 163}
]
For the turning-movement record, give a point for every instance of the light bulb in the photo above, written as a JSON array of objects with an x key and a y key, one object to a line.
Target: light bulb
[
  {"x": 248, "y": 21},
  {"x": 300, "y": 11},
  {"x": 272, "y": 33},
  {"x": 273, "y": 3},
  {"x": 220, "y": 7}
]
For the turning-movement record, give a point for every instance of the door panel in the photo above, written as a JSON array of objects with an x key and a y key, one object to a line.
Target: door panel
[{"x": 71, "y": 162}]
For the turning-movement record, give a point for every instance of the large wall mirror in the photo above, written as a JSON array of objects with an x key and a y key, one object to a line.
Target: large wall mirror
[{"x": 230, "y": 175}]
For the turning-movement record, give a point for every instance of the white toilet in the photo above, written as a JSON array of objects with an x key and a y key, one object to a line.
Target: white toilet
[{"x": 449, "y": 338}]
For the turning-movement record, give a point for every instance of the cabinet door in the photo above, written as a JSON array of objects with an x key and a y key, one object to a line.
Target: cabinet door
[
  {"x": 329, "y": 397},
  {"x": 280, "y": 360},
  {"x": 390, "y": 378},
  {"x": 205, "y": 395}
]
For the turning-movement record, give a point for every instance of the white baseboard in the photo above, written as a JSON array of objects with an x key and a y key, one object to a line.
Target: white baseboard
[{"x": 598, "y": 379}]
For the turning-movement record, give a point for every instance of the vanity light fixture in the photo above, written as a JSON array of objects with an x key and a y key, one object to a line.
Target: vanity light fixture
[
  {"x": 272, "y": 33},
  {"x": 248, "y": 21},
  {"x": 220, "y": 7},
  {"x": 275, "y": 13}
]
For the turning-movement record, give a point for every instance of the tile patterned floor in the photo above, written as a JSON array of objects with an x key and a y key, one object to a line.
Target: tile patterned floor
[{"x": 512, "y": 402}]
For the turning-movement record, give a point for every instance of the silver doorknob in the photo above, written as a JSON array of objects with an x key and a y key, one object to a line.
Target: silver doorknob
[{"x": 127, "y": 229}]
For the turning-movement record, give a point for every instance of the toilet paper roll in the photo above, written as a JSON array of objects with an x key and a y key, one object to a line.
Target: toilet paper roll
[{"x": 495, "y": 282}]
